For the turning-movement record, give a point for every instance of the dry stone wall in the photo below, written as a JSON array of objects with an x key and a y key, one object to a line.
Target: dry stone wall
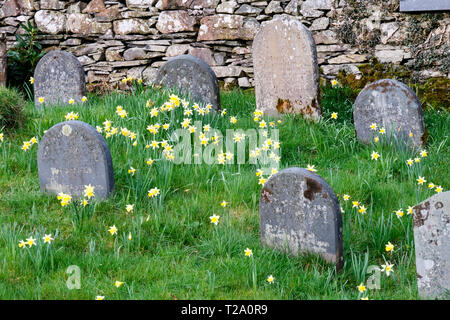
[{"x": 133, "y": 38}]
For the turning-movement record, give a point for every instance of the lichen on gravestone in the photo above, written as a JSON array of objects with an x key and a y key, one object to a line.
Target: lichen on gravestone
[
  {"x": 300, "y": 213},
  {"x": 71, "y": 155},
  {"x": 59, "y": 77},
  {"x": 432, "y": 246}
]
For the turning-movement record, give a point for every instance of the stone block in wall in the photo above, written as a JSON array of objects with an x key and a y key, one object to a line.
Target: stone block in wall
[
  {"x": 203, "y": 53},
  {"x": 13, "y": 8},
  {"x": 114, "y": 53},
  {"x": 227, "y": 27},
  {"x": 52, "y": 22},
  {"x": 227, "y": 71},
  {"x": 149, "y": 75},
  {"x": 320, "y": 24},
  {"x": 227, "y": 7},
  {"x": 273, "y": 7},
  {"x": 390, "y": 56},
  {"x": 175, "y": 21},
  {"x": 348, "y": 58},
  {"x": 85, "y": 60},
  {"x": 326, "y": 37},
  {"x": 52, "y": 5},
  {"x": 248, "y": 10},
  {"x": 134, "y": 54},
  {"x": 135, "y": 73},
  {"x": 140, "y": 4},
  {"x": 133, "y": 26},
  {"x": 393, "y": 32},
  {"x": 334, "y": 69},
  {"x": 292, "y": 8},
  {"x": 94, "y": 6},
  {"x": 85, "y": 25},
  {"x": 177, "y": 49}
]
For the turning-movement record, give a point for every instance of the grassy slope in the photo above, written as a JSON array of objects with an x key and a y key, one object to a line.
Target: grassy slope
[{"x": 178, "y": 253}]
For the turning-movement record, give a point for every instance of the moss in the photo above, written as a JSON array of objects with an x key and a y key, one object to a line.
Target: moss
[{"x": 434, "y": 92}]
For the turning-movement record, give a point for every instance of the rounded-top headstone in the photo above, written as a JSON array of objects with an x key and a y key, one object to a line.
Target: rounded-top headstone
[
  {"x": 299, "y": 212},
  {"x": 285, "y": 69},
  {"x": 59, "y": 77},
  {"x": 71, "y": 155},
  {"x": 191, "y": 75},
  {"x": 392, "y": 105},
  {"x": 432, "y": 246}
]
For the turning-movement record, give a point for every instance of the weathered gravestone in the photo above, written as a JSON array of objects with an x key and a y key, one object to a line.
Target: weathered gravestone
[
  {"x": 299, "y": 212},
  {"x": 191, "y": 75},
  {"x": 71, "y": 155},
  {"x": 432, "y": 245},
  {"x": 3, "y": 59},
  {"x": 285, "y": 68},
  {"x": 392, "y": 105},
  {"x": 59, "y": 77}
]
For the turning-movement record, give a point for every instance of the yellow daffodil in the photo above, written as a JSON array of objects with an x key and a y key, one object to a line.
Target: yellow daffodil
[
  {"x": 65, "y": 198},
  {"x": 399, "y": 213},
  {"x": 153, "y": 192},
  {"x": 373, "y": 126},
  {"x": 112, "y": 230},
  {"x": 311, "y": 168},
  {"x": 71, "y": 101},
  {"x": 421, "y": 180},
  {"x": 31, "y": 241},
  {"x": 262, "y": 181},
  {"x": 214, "y": 219},
  {"x": 31, "y": 80},
  {"x": 41, "y": 100},
  {"x": 223, "y": 204},
  {"x": 84, "y": 99},
  {"x": 99, "y": 297},
  {"x": 362, "y": 209},
  {"x": 334, "y": 115},
  {"x": 129, "y": 207},
  {"x": 233, "y": 120},
  {"x": 388, "y": 268},
  {"x": 47, "y": 238},
  {"x": 423, "y": 153},
  {"x": 117, "y": 284},
  {"x": 417, "y": 160},
  {"x": 248, "y": 252},
  {"x": 376, "y": 139},
  {"x": 270, "y": 279},
  {"x": 346, "y": 197},
  {"x": 89, "y": 191},
  {"x": 361, "y": 287},
  {"x": 355, "y": 204},
  {"x": 438, "y": 189},
  {"x": 375, "y": 155},
  {"x": 132, "y": 171},
  {"x": 409, "y": 162},
  {"x": 382, "y": 131},
  {"x": 389, "y": 247},
  {"x": 409, "y": 210}
]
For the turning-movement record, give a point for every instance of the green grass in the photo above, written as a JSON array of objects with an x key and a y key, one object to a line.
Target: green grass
[{"x": 175, "y": 252}]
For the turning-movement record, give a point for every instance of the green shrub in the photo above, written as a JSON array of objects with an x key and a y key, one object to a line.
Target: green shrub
[
  {"x": 12, "y": 105},
  {"x": 23, "y": 58}
]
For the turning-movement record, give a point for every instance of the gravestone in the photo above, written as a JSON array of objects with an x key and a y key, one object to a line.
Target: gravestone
[
  {"x": 392, "y": 105},
  {"x": 191, "y": 75},
  {"x": 299, "y": 212},
  {"x": 421, "y": 5},
  {"x": 59, "y": 77},
  {"x": 71, "y": 155},
  {"x": 285, "y": 69},
  {"x": 432, "y": 245},
  {"x": 3, "y": 59}
]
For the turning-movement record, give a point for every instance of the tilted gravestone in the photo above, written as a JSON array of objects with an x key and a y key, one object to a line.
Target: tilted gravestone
[
  {"x": 71, "y": 155},
  {"x": 191, "y": 75},
  {"x": 392, "y": 105},
  {"x": 59, "y": 77},
  {"x": 299, "y": 212},
  {"x": 285, "y": 69},
  {"x": 3, "y": 59},
  {"x": 432, "y": 245}
]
